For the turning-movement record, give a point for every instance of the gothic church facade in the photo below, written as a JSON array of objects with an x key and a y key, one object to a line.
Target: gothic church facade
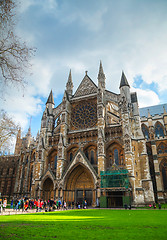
[{"x": 94, "y": 145}]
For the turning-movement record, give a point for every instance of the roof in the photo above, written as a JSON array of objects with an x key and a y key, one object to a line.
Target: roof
[
  {"x": 50, "y": 98},
  {"x": 153, "y": 110},
  {"x": 124, "y": 81}
]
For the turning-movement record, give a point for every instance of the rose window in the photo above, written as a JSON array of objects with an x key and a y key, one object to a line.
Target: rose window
[{"x": 84, "y": 115}]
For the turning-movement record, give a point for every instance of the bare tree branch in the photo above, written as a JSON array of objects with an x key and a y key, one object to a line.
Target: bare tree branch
[
  {"x": 14, "y": 54},
  {"x": 8, "y": 130}
]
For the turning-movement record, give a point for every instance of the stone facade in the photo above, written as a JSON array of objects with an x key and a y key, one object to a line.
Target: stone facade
[{"x": 90, "y": 134}]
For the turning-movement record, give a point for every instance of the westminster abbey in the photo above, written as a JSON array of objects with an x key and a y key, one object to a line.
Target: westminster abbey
[{"x": 95, "y": 145}]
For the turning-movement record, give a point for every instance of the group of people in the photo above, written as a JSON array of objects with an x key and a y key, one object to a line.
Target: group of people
[
  {"x": 24, "y": 204},
  {"x": 155, "y": 206}
]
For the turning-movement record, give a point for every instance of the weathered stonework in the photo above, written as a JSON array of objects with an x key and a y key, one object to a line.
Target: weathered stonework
[{"x": 91, "y": 133}]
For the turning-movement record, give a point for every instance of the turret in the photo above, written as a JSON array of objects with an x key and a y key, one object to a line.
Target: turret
[
  {"x": 69, "y": 85},
  {"x": 125, "y": 88}
]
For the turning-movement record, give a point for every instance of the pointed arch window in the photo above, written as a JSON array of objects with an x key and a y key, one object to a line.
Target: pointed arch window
[
  {"x": 164, "y": 173},
  {"x": 92, "y": 157},
  {"x": 86, "y": 153},
  {"x": 162, "y": 148},
  {"x": 116, "y": 157},
  {"x": 71, "y": 156},
  {"x": 159, "y": 130},
  {"x": 55, "y": 162},
  {"x": 145, "y": 131}
]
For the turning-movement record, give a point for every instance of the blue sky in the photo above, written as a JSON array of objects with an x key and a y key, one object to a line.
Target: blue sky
[{"x": 128, "y": 35}]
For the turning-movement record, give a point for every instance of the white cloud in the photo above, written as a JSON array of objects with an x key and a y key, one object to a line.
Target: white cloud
[
  {"x": 146, "y": 97},
  {"x": 125, "y": 35}
]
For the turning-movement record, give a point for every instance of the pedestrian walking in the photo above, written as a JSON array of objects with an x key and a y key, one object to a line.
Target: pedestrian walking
[{"x": 4, "y": 204}]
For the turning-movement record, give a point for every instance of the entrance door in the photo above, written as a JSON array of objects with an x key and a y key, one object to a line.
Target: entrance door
[
  {"x": 80, "y": 181},
  {"x": 79, "y": 196},
  {"x": 48, "y": 189},
  {"x": 88, "y": 197},
  {"x": 82, "y": 195},
  {"x": 114, "y": 199}
]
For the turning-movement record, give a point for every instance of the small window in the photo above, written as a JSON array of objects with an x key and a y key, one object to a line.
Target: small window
[
  {"x": 116, "y": 158},
  {"x": 86, "y": 153},
  {"x": 55, "y": 163},
  {"x": 71, "y": 156},
  {"x": 92, "y": 157}
]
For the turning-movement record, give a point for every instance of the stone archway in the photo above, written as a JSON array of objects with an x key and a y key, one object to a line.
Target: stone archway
[
  {"x": 48, "y": 191},
  {"x": 79, "y": 186}
]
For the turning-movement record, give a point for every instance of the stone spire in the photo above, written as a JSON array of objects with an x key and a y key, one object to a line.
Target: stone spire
[
  {"x": 149, "y": 115},
  {"x": 165, "y": 113},
  {"x": 124, "y": 81},
  {"x": 101, "y": 77},
  {"x": 69, "y": 85},
  {"x": 50, "y": 98}
]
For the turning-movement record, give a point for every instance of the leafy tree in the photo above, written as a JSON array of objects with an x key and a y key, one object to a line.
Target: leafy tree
[
  {"x": 14, "y": 54},
  {"x": 8, "y": 131}
]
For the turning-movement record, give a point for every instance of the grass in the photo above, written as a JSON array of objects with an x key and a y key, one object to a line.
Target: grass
[{"x": 86, "y": 224}]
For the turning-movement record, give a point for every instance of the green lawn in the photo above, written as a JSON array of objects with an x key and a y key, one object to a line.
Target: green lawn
[{"x": 86, "y": 224}]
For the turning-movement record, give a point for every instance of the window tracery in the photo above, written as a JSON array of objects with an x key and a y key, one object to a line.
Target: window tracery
[
  {"x": 163, "y": 169},
  {"x": 145, "y": 131},
  {"x": 91, "y": 154},
  {"x": 162, "y": 148},
  {"x": 159, "y": 130},
  {"x": 115, "y": 156},
  {"x": 52, "y": 160},
  {"x": 84, "y": 115}
]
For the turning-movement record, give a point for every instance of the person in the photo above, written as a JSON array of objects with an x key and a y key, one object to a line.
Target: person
[
  {"x": 154, "y": 206},
  {"x": 126, "y": 206},
  {"x": 85, "y": 204},
  {"x": 22, "y": 205},
  {"x": 65, "y": 205},
  {"x": 150, "y": 205},
  {"x": 159, "y": 205},
  {"x": 26, "y": 205},
  {"x": 4, "y": 204},
  {"x": 57, "y": 204},
  {"x": 130, "y": 207},
  {"x": 0, "y": 205},
  {"x": 11, "y": 204}
]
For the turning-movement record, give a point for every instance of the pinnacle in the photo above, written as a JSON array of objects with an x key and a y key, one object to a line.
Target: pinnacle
[
  {"x": 69, "y": 85},
  {"x": 101, "y": 72},
  {"x": 101, "y": 76}
]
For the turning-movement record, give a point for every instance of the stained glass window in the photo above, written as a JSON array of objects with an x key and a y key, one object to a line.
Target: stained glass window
[
  {"x": 92, "y": 157},
  {"x": 159, "y": 131},
  {"x": 55, "y": 163},
  {"x": 145, "y": 131},
  {"x": 84, "y": 115},
  {"x": 116, "y": 157}
]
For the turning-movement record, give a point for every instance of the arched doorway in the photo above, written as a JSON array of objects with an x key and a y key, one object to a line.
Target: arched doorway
[
  {"x": 48, "y": 192},
  {"x": 79, "y": 186}
]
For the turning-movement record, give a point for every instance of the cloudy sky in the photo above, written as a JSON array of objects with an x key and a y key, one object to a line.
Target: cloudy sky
[{"x": 128, "y": 35}]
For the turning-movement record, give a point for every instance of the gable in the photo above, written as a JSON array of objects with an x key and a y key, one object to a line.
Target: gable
[
  {"x": 86, "y": 87},
  {"x": 80, "y": 158}
]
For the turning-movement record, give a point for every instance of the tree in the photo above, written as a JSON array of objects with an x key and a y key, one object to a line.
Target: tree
[
  {"x": 8, "y": 131},
  {"x": 14, "y": 54}
]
